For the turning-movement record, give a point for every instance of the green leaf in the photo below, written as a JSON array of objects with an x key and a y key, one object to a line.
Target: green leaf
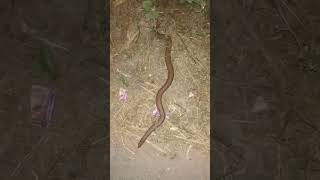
[
  {"x": 147, "y": 5},
  {"x": 124, "y": 81},
  {"x": 45, "y": 62},
  {"x": 152, "y": 15},
  {"x": 155, "y": 14}
]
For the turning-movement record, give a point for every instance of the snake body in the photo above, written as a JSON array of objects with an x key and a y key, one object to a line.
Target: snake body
[{"x": 161, "y": 91}]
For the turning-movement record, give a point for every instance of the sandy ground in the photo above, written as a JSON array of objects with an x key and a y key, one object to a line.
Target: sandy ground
[{"x": 145, "y": 165}]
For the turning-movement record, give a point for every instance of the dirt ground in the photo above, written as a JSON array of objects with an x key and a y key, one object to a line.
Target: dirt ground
[
  {"x": 266, "y": 90},
  {"x": 75, "y": 33}
]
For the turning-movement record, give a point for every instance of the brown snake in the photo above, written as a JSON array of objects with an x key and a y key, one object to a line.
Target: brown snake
[{"x": 161, "y": 91}]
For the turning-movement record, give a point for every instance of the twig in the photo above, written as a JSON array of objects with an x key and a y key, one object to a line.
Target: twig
[
  {"x": 28, "y": 156},
  {"x": 124, "y": 145},
  {"x": 52, "y": 44},
  {"x": 102, "y": 79},
  {"x": 98, "y": 140},
  {"x": 177, "y": 129},
  {"x": 185, "y": 46},
  {"x": 82, "y": 147},
  {"x": 32, "y": 32},
  {"x": 124, "y": 74},
  {"x": 35, "y": 174},
  {"x": 188, "y": 151},
  {"x": 286, "y": 22},
  {"x": 144, "y": 88},
  {"x": 294, "y": 14},
  {"x": 302, "y": 118},
  {"x": 156, "y": 147},
  {"x": 191, "y": 141}
]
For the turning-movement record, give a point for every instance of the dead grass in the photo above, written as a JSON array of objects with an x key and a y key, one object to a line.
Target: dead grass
[{"x": 141, "y": 63}]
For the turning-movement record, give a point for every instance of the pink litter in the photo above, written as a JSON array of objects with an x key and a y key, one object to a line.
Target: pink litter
[
  {"x": 156, "y": 113},
  {"x": 123, "y": 95},
  {"x": 42, "y": 102}
]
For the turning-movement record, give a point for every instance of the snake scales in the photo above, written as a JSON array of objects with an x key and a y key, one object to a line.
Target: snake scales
[{"x": 165, "y": 86}]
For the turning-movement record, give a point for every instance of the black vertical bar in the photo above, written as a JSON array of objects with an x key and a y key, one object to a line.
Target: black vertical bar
[{"x": 107, "y": 10}]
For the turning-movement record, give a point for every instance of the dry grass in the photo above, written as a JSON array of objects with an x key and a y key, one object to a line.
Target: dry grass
[{"x": 141, "y": 64}]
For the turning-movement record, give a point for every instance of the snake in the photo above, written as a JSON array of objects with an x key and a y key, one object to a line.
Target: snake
[{"x": 162, "y": 90}]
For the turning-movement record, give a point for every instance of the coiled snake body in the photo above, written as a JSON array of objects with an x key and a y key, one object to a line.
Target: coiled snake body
[{"x": 161, "y": 91}]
